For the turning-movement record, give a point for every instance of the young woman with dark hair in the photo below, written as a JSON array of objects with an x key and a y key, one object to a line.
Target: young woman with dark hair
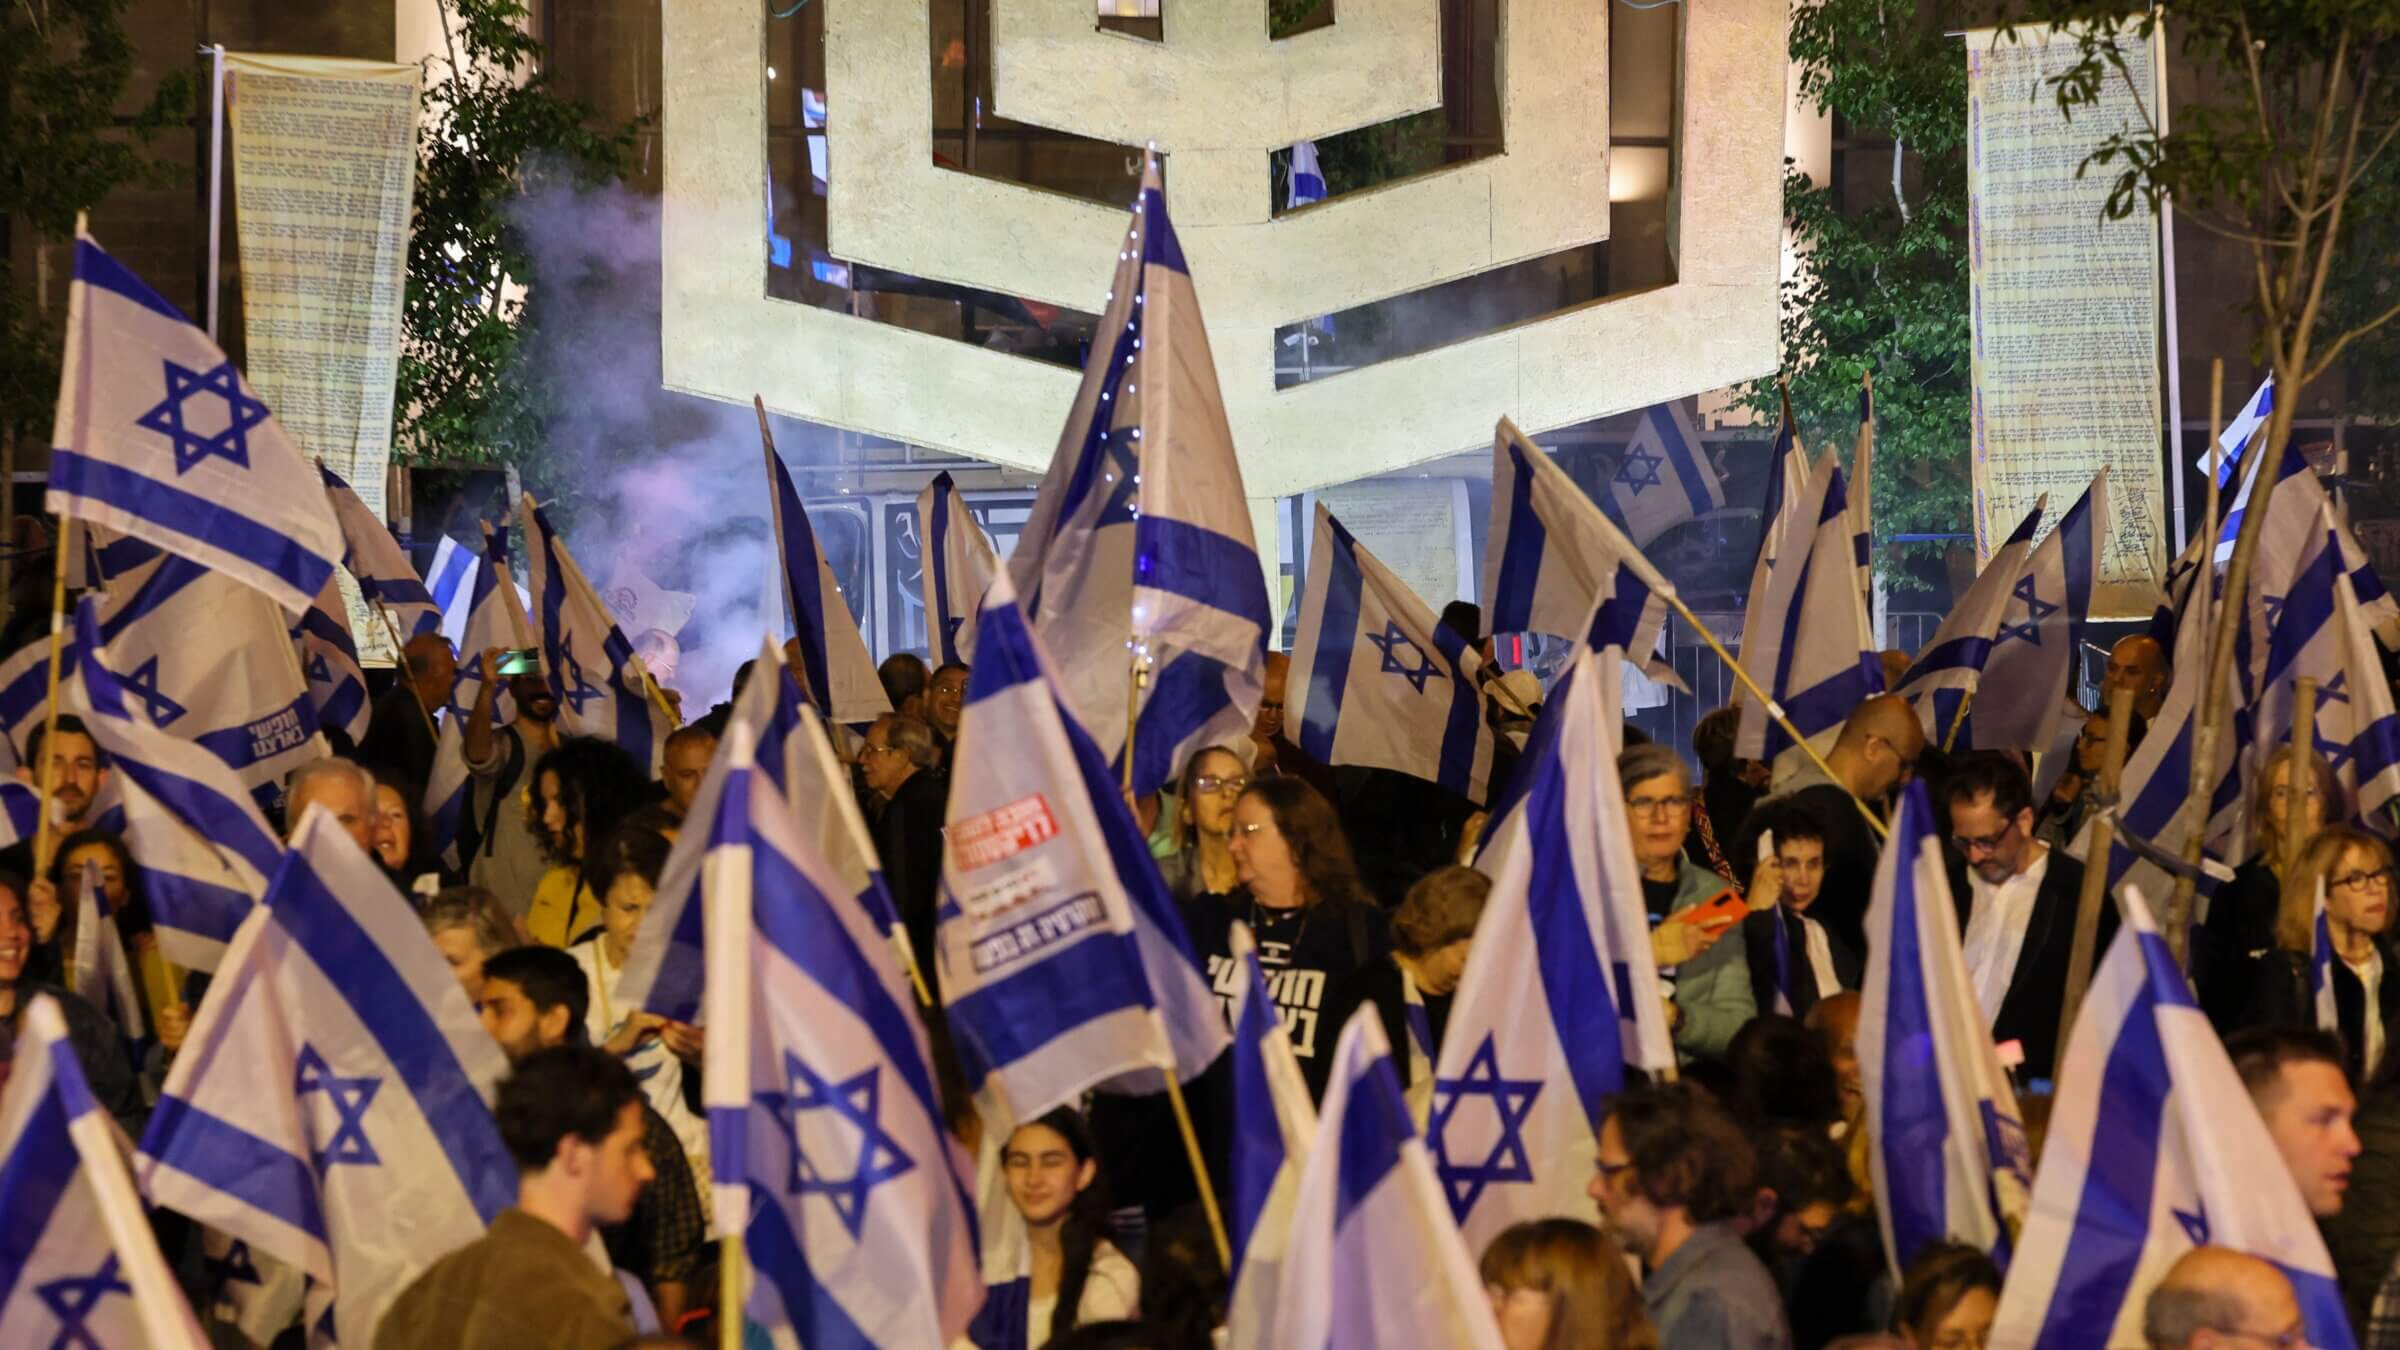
[
  {"x": 98, "y": 1048},
  {"x": 1320, "y": 938},
  {"x": 582, "y": 789},
  {"x": 1071, "y": 1273}
]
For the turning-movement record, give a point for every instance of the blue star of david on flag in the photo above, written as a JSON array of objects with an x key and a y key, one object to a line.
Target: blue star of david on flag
[
  {"x": 2036, "y": 610},
  {"x": 234, "y": 1267},
  {"x": 142, "y": 683},
  {"x": 1392, "y": 643},
  {"x": 1512, "y": 1104},
  {"x": 858, "y": 1100},
  {"x": 2337, "y": 753},
  {"x": 1640, "y": 469},
  {"x": 71, "y": 1300},
  {"x": 350, "y": 1097},
  {"x": 2273, "y": 605},
  {"x": 242, "y": 412},
  {"x": 574, "y": 689},
  {"x": 2195, "y": 1225},
  {"x": 319, "y": 670}
]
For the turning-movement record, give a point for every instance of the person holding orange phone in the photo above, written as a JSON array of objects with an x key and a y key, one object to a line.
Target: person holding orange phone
[{"x": 1694, "y": 935}]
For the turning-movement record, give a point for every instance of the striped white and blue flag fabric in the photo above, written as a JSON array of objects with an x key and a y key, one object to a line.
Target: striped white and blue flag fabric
[
  {"x": 1307, "y": 188},
  {"x": 158, "y": 436},
  {"x": 331, "y": 1105},
  {"x": 20, "y": 811},
  {"x": 2320, "y": 965},
  {"x": 2374, "y": 739},
  {"x": 835, "y": 669},
  {"x": 957, "y": 566},
  {"x": 1815, "y": 655},
  {"x": 1557, "y": 564},
  {"x": 1375, "y": 1258},
  {"x": 337, "y": 683},
  {"x": 666, "y": 971},
  {"x": 97, "y": 967},
  {"x": 602, "y": 687},
  {"x": 1376, "y": 679},
  {"x": 1949, "y": 1153},
  {"x": 1664, "y": 478},
  {"x": 1274, "y": 1125},
  {"x": 2153, "y": 1148},
  {"x": 832, "y": 1159},
  {"x": 2322, "y": 634},
  {"x": 1787, "y": 482},
  {"x": 2022, "y": 696},
  {"x": 81, "y": 1266},
  {"x": 1862, "y": 493},
  {"x": 495, "y": 617},
  {"x": 1560, "y": 991},
  {"x": 208, "y": 657},
  {"x": 1139, "y": 545},
  {"x": 451, "y": 583},
  {"x": 1949, "y": 669},
  {"x": 2236, "y": 467},
  {"x": 371, "y": 554},
  {"x": 1064, "y": 962},
  {"x": 194, "y": 827}
]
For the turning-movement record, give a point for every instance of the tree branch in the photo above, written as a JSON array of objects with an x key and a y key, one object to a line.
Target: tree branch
[{"x": 2334, "y": 351}]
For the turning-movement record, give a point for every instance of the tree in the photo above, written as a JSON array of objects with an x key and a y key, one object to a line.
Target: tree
[
  {"x": 1885, "y": 282},
  {"x": 64, "y": 65},
  {"x": 2300, "y": 114},
  {"x": 492, "y": 130}
]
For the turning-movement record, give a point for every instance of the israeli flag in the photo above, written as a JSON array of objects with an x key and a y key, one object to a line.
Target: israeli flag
[
  {"x": 2320, "y": 965},
  {"x": 1949, "y": 1153},
  {"x": 2236, "y": 465},
  {"x": 2153, "y": 1149},
  {"x": 1274, "y": 1125},
  {"x": 1556, "y": 564},
  {"x": 835, "y": 669},
  {"x": 158, "y": 436},
  {"x": 211, "y": 662},
  {"x": 1141, "y": 549},
  {"x": 826, "y": 1127},
  {"x": 603, "y": 688},
  {"x": 447, "y": 793},
  {"x": 20, "y": 812},
  {"x": 1787, "y": 483},
  {"x": 1560, "y": 991},
  {"x": 665, "y": 972},
  {"x": 97, "y": 967},
  {"x": 2374, "y": 730},
  {"x": 2021, "y": 698},
  {"x": 1950, "y": 667},
  {"x": 959, "y": 564},
  {"x": 1307, "y": 188},
  {"x": 1816, "y": 655},
  {"x": 2322, "y": 634},
  {"x": 1664, "y": 478},
  {"x": 496, "y": 617},
  {"x": 371, "y": 554},
  {"x": 2288, "y": 541},
  {"x": 331, "y": 1104},
  {"x": 1375, "y": 1258},
  {"x": 204, "y": 848},
  {"x": 1376, "y": 680},
  {"x": 337, "y": 684},
  {"x": 451, "y": 583},
  {"x": 81, "y": 1266},
  {"x": 102, "y": 553},
  {"x": 1064, "y": 962}
]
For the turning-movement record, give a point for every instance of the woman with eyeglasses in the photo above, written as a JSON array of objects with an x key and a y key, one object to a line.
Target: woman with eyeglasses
[
  {"x": 1320, "y": 938},
  {"x": 1711, "y": 974},
  {"x": 2352, "y": 869},
  {"x": 2241, "y": 922},
  {"x": 1948, "y": 1299},
  {"x": 1202, "y": 863}
]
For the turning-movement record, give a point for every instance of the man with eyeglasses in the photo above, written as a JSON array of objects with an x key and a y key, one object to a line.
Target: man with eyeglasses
[
  {"x": 2016, "y": 908},
  {"x": 2214, "y": 1297}
]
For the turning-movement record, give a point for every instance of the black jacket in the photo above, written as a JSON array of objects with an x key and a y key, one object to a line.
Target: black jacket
[
  {"x": 2029, "y": 1012},
  {"x": 399, "y": 736},
  {"x": 1851, "y": 850},
  {"x": 2241, "y": 924},
  {"x": 1758, "y": 947},
  {"x": 908, "y": 839},
  {"x": 2365, "y": 1236},
  {"x": 2281, "y": 996}
]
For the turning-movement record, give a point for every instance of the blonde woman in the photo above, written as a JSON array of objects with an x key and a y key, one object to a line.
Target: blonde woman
[
  {"x": 2355, "y": 870},
  {"x": 2241, "y": 916}
]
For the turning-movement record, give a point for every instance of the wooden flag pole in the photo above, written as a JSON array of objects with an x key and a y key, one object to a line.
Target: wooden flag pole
[
  {"x": 730, "y": 1260},
  {"x": 1959, "y": 719},
  {"x": 2095, "y": 874},
  {"x": 2297, "y": 790},
  {"x": 400, "y": 649},
  {"x": 45, "y": 833}
]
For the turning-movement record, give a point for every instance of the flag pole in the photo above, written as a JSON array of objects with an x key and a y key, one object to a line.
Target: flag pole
[
  {"x": 1774, "y": 709},
  {"x": 2304, "y": 743},
  {"x": 400, "y": 650},
  {"x": 729, "y": 1291},
  {"x": 1959, "y": 719},
  {"x": 44, "y": 833},
  {"x": 1134, "y": 680},
  {"x": 2095, "y": 873}
]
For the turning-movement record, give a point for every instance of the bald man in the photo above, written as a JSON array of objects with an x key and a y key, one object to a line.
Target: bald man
[
  {"x": 1873, "y": 755},
  {"x": 400, "y": 731},
  {"x": 2215, "y": 1298},
  {"x": 2137, "y": 663}
]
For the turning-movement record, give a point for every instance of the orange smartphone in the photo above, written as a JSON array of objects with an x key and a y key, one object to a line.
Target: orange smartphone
[{"x": 1725, "y": 908}]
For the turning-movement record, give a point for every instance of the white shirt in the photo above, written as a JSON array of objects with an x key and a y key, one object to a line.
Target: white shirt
[
  {"x": 1820, "y": 957},
  {"x": 1111, "y": 1293},
  {"x": 2370, "y": 979},
  {"x": 1995, "y": 936},
  {"x": 654, "y": 1066}
]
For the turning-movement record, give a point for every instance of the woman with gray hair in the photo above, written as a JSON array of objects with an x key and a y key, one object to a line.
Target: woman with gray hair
[{"x": 1704, "y": 960}]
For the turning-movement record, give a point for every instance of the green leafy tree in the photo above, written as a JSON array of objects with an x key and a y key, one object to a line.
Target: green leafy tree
[
  {"x": 1885, "y": 283},
  {"x": 64, "y": 65},
  {"x": 493, "y": 130},
  {"x": 2290, "y": 139}
]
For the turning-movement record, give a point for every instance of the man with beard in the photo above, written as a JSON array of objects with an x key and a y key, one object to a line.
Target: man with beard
[
  {"x": 78, "y": 770},
  {"x": 509, "y": 860}
]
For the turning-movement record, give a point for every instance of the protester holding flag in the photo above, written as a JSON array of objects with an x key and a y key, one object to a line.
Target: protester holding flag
[
  {"x": 1795, "y": 958},
  {"x": 97, "y": 1047},
  {"x": 2349, "y": 873},
  {"x": 1703, "y": 956},
  {"x": 511, "y": 855},
  {"x": 2242, "y": 915},
  {"x": 2073, "y": 798}
]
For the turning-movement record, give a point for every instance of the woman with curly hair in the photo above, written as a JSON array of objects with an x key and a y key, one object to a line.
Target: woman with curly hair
[{"x": 582, "y": 789}]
